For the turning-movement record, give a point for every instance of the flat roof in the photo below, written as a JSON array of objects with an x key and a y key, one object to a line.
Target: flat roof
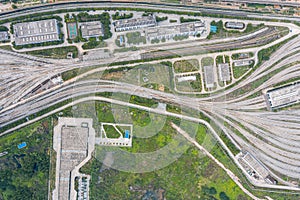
[
  {"x": 186, "y": 78},
  {"x": 209, "y": 76},
  {"x": 284, "y": 96},
  {"x": 172, "y": 30},
  {"x": 240, "y": 63},
  {"x": 224, "y": 72},
  {"x": 127, "y": 24},
  {"x": 235, "y": 25},
  {"x": 36, "y": 32},
  {"x": 91, "y": 29},
  {"x": 73, "y": 141},
  {"x": 3, "y": 35}
]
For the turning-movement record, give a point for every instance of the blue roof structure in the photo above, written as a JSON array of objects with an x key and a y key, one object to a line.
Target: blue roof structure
[
  {"x": 127, "y": 134},
  {"x": 22, "y": 145},
  {"x": 213, "y": 29}
]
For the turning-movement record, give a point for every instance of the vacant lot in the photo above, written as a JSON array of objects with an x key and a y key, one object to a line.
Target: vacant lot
[
  {"x": 190, "y": 176},
  {"x": 240, "y": 71},
  {"x": 135, "y": 38},
  {"x": 207, "y": 61},
  {"x": 191, "y": 85},
  {"x": 182, "y": 66},
  {"x": 57, "y": 53}
]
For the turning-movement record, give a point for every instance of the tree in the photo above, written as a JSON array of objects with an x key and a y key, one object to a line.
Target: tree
[{"x": 223, "y": 196}]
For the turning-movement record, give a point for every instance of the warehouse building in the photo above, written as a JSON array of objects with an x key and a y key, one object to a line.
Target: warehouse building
[
  {"x": 168, "y": 32},
  {"x": 224, "y": 72},
  {"x": 91, "y": 29},
  {"x": 283, "y": 96},
  {"x": 4, "y": 36},
  {"x": 136, "y": 23},
  {"x": 235, "y": 25},
  {"x": 209, "y": 76},
  {"x": 36, "y": 32},
  {"x": 73, "y": 142}
]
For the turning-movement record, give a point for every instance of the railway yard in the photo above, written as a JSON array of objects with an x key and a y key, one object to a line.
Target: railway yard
[{"x": 245, "y": 84}]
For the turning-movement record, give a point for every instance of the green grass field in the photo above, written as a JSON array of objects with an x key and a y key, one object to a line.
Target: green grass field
[
  {"x": 190, "y": 86},
  {"x": 135, "y": 38},
  {"x": 182, "y": 66},
  {"x": 57, "y": 53},
  {"x": 24, "y": 173},
  {"x": 192, "y": 176},
  {"x": 240, "y": 71},
  {"x": 207, "y": 61}
]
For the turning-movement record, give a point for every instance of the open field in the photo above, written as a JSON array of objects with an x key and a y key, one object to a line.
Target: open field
[
  {"x": 240, "y": 71},
  {"x": 57, "y": 53},
  {"x": 182, "y": 66},
  {"x": 191, "y": 85},
  {"x": 135, "y": 38},
  {"x": 202, "y": 178}
]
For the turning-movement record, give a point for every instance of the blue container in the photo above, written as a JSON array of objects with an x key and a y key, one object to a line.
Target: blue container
[{"x": 22, "y": 145}]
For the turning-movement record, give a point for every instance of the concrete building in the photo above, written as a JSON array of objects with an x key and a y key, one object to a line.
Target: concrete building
[
  {"x": 91, "y": 29},
  {"x": 209, "y": 76},
  {"x": 168, "y": 32},
  {"x": 74, "y": 142},
  {"x": 4, "y": 36},
  {"x": 186, "y": 78},
  {"x": 283, "y": 96},
  {"x": 36, "y": 32},
  {"x": 241, "y": 63},
  {"x": 136, "y": 23},
  {"x": 224, "y": 72},
  {"x": 235, "y": 25}
]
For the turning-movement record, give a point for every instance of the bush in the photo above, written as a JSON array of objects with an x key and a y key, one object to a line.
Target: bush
[
  {"x": 117, "y": 16},
  {"x": 154, "y": 41},
  {"x": 93, "y": 43},
  {"x": 209, "y": 191},
  {"x": 180, "y": 37},
  {"x": 160, "y": 19},
  {"x": 183, "y": 20},
  {"x": 3, "y": 28}
]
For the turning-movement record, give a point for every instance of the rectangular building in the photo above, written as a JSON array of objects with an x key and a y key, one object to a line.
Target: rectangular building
[
  {"x": 4, "y": 36},
  {"x": 234, "y": 25},
  {"x": 36, "y": 32},
  {"x": 224, "y": 72},
  {"x": 186, "y": 78},
  {"x": 283, "y": 96},
  {"x": 168, "y": 32},
  {"x": 241, "y": 63},
  {"x": 91, "y": 29},
  {"x": 209, "y": 76},
  {"x": 136, "y": 23},
  {"x": 74, "y": 142}
]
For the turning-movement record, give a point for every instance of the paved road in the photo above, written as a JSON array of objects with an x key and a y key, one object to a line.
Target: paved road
[{"x": 267, "y": 2}]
